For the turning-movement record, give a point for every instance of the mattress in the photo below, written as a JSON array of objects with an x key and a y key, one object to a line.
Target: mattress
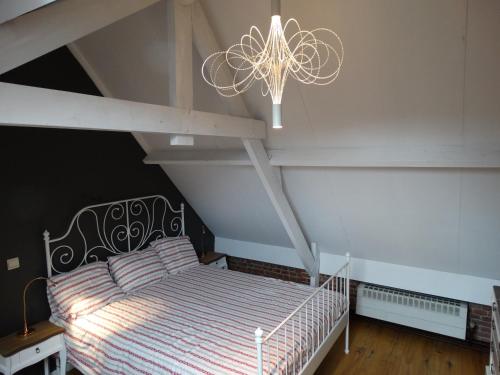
[{"x": 201, "y": 321}]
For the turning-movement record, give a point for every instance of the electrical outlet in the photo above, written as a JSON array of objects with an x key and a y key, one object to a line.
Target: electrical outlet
[{"x": 12, "y": 263}]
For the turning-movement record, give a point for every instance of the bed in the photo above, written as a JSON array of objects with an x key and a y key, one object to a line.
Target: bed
[{"x": 204, "y": 320}]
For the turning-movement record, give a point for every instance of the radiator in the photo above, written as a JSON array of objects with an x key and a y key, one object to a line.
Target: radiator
[{"x": 433, "y": 314}]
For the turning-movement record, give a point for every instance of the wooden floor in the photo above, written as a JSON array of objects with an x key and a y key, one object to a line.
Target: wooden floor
[{"x": 380, "y": 348}]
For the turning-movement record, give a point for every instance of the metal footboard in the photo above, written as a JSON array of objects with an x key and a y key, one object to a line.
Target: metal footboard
[{"x": 299, "y": 343}]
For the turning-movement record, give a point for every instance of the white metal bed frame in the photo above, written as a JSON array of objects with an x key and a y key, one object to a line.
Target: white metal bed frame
[
  {"x": 119, "y": 227},
  {"x": 297, "y": 345},
  {"x": 322, "y": 316}
]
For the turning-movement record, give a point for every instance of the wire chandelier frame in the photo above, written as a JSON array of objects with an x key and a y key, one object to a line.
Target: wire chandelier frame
[{"x": 288, "y": 51}]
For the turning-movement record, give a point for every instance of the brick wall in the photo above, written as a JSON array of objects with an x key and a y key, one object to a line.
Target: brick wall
[
  {"x": 479, "y": 319},
  {"x": 480, "y": 322},
  {"x": 297, "y": 275}
]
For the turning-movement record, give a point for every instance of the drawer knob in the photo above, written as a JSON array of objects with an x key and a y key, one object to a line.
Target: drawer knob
[{"x": 37, "y": 350}]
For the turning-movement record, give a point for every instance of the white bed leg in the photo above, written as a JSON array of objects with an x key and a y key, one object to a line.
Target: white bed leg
[
  {"x": 314, "y": 279},
  {"x": 258, "y": 342},
  {"x": 348, "y": 275},
  {"x": 46, "y": 240},
  {"x": 346, "y": 350}
]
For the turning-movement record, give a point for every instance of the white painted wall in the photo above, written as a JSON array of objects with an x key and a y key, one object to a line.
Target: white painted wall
[
  {"x": 445, "y": 220},
  {"x": 422, "y": 280},
  {"x": 233, "y": 202},
  {"x": 417, "y": 74}
]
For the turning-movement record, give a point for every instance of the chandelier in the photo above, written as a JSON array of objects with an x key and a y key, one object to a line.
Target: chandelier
[{"x": 287, "y": 52}]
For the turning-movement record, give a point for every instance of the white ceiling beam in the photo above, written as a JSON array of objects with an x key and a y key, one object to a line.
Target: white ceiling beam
[
  {"x": 389, "y": 157},
  {"x": 362, "y": 157},
  {"x": 36, "y": 33},
  {"x": 30, "y": 106},
  {"x": 194, "y": 157},
  {"x": 272, "y": 185},
  {"x": 180, "y": 53},
  {"x": 206, "y": 44}
]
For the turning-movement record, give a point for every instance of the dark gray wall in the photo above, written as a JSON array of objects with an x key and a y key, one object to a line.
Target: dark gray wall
[{"x": 47, "y": 175}]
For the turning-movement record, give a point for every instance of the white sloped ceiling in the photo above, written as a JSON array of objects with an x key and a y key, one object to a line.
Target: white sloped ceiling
[{"x": 416, "y": 75}]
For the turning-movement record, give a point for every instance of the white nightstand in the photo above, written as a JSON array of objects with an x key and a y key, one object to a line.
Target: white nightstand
[
  {"x": 215, "y": 260},
  {"x": 18, "y": 352}
]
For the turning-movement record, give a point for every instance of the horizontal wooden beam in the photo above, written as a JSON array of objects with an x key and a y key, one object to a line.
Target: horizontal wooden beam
[
  {"x": 193, "y": 157},
  {"x": 30, "y": 106},
  {"x": 388, "y": 157},
  {"x": 36, "y": 33}
]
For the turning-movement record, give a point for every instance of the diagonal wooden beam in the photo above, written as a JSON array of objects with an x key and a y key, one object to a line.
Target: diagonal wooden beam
[
  {"x": 55, "y": 25},
  {"x": 458, "y": 156},
  {"x": 30, "y": 106},
  {"x": 274, "y": 190}
]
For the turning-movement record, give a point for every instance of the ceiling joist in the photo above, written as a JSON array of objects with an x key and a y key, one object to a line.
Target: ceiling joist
[
  {"x": 203, "y": 157},
  {"x": 60, "y": 109},
  {"x": 274, "y": 190},
  {"x": 36, "y": 33},
  {"x": 345, "y": 157}
]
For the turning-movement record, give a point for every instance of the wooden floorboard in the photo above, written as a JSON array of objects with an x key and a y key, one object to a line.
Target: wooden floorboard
[
  {"x": 381, "y": 348},
  {"x": 378, "y": 348}
]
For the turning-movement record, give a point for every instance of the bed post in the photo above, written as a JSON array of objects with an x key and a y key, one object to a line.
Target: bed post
[
  {"x": 46, "y": 237},
  {"x": 182, "y": 218},
  {"x": 314, "y": 279},
  {"x": 258, "y": 342},
  {"x": 347, "y": 271}
]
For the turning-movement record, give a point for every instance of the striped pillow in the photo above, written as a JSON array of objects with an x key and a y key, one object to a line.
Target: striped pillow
[
  {"x": 177, "y": 254},
  {"x": 82, "y": 291},
  {"x": 136, "y": 270}
]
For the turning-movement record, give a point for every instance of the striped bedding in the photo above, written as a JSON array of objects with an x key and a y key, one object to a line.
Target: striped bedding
[
  {"x": 200, "y": 321},
  {"x": 137, "y": 269}
]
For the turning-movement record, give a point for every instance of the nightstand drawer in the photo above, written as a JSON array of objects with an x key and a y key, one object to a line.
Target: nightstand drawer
[
  {"x": 221, "y": 263},
  {"x": 38, "y": 352}
]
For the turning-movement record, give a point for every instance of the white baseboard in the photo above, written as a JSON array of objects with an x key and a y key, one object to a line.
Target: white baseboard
[{"x": 444, "y": 284}]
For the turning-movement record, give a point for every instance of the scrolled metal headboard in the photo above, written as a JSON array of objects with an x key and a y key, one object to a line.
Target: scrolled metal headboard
[{"x": 112, "y": 228}]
